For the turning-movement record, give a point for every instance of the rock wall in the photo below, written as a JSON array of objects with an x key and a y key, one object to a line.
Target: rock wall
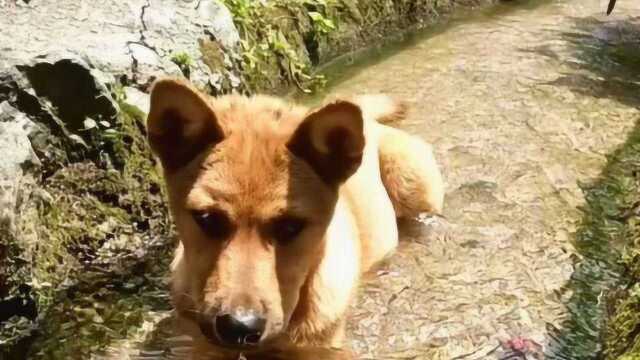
[
  {"x": 84, "y": 232},
  {"x": 83, "y": 218}
]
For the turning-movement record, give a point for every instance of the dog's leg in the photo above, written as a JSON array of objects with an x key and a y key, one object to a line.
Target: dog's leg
[
  {"x": 337, "y": 340},
  {"x": 410, "y": 173}
]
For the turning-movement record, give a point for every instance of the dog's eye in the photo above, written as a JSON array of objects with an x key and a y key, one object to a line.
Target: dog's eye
[
  {"x": 286, "y": 228},
  {"x": 216, "y": 224}
]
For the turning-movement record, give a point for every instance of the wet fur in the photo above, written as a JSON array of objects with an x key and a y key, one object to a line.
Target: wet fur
[{"x": 257, "y": 157}]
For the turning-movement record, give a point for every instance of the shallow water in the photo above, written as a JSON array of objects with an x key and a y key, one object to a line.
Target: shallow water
[{"x": 522, "y": 102}]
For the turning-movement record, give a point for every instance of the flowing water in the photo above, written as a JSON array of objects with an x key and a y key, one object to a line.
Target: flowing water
[{"x": 522, "y": 102}]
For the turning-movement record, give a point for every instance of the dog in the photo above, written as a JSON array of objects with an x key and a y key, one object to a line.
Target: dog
[{"x": 280, "y": 209}]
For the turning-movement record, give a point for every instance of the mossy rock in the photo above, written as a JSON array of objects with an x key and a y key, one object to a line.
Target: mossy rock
[{"x": 90, "y": 237}]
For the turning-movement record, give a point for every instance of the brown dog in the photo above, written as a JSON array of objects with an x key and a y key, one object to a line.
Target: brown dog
[{"x": 280, "y": 209}]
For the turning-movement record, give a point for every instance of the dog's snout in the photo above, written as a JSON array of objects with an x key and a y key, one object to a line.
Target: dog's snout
[{"x": 241, "y": 327}]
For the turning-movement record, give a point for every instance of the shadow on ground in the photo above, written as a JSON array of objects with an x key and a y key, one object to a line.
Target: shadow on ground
[
  {"x": 606, "y": 66},
  {"x": 608, "y": 59}
]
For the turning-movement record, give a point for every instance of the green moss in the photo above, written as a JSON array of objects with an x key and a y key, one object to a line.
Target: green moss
[
  {"x": 623, "y": 330},
  {"x": 87, "y": 323},
  {"x": 91, "y": 243},
  {"x": 108, "y": 222},
  {"x": 620, "y": 216},
  {"x": 623, "y": 341},
  {"x": 283, "y": 41},
  {"x": 601, "y": 310},
  {"x": 184, "y": 62},
  {"x": 273, "y": 53}
]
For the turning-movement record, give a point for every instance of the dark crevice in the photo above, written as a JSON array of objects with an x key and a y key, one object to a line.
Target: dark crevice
[{"x": 313, "y": 47}]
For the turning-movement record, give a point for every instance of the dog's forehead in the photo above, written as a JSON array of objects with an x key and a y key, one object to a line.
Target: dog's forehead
[
  {"x": 251, "y": 176},
  {"x": 245, "y": 162},
  {"x": 261, "y": 113},
  {"x": 251, "y": 172},
  {"x": 261, "y": 190}
]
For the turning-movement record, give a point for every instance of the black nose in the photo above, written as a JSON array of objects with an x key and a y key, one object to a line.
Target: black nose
[{"x": 239, "y": 328}]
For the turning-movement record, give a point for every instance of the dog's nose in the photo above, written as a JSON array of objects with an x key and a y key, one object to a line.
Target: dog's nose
[{"x": 240, "y": 328}]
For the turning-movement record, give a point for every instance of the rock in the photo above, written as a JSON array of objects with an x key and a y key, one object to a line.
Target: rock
[
  {"x": 72, "y": 86},
  {"x": 17, "y": 181},
  {"x": 146, "y": 65},
  {"x": 218, "y": 17},
  {"x": 100, "y": 33},
  {"x": 173, "y": 28},
  {"x": 78, "y": 191},
  {"x": 45, "y": 105},
  {"x": 137, "y": 98},
  {"x": 18, "y": 156},
  {"x": 133, "y": 40},
  {"x": 60, "y": 91}
]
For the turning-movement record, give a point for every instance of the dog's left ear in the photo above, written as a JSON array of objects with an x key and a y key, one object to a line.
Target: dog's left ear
[{"x": 331, "y": 140}]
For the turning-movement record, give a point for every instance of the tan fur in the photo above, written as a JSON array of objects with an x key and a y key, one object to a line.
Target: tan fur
[{"x": 258, "y": 158}]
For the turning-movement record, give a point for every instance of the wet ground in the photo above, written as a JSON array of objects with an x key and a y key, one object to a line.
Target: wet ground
[{"x": 522, "y": 103}]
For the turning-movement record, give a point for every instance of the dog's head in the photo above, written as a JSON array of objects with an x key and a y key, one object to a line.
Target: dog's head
[{"x": 252, "y": 184}]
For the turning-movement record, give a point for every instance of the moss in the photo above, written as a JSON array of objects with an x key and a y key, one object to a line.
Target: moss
[
  {"x": 184, "y": 62},
  {"x": 98, "y": 229},
  {"x": 109, "y": 223},
  {"x": 272, "y": 50},
  {"x": 97, "y": 316},
  {"x": 623, "y": 340},
  {"x": 282, "y": 42},
  {"x": 619, "y": 216},
  {"x": 623, "y": 330},
  {"x": 605, "y": 285}
]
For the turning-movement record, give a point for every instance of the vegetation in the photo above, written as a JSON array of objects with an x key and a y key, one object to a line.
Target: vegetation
[
  {"x": 605, "y": 303},
  {"x": 184, "y": 62},
  {"x": 622, "y": 337},
  {"x": 93, "y": 245},
  {"x": 283, "y": 41},
  {"x": 273, "y": 40}
]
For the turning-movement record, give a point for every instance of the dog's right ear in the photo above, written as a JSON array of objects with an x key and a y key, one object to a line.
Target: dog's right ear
[{"x": 180, "y": 124}]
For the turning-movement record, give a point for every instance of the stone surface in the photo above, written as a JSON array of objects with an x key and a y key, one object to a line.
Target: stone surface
[
  {"x": 17, "y": 158},
  {"x": 76, "y": 190},
  {"x": 135, "y": 38},
  {"x": 137, "y": 98}
]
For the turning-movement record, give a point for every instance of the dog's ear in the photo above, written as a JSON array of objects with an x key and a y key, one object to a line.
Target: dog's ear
[
  {"x": 180, "y": 124},
  {"x": 331, "y": 140}
]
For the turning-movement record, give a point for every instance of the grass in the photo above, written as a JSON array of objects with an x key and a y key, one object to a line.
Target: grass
[
  {"x": 622, "y": 334},
  {"x": 604, "y": 320}
]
